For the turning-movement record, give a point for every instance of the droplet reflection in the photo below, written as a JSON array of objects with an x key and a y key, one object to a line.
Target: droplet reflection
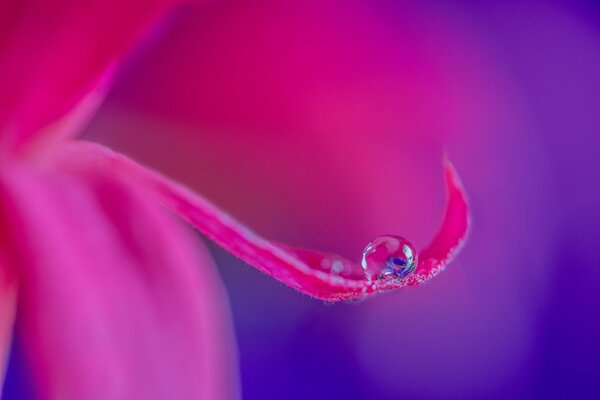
[{"x": 390, "y": 257}]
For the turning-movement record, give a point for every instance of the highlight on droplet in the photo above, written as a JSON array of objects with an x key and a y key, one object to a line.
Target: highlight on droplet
[{"x": 390, "y": 257}]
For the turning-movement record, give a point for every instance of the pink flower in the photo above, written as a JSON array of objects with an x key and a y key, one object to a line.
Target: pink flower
[{"x": 111, "y": 297}]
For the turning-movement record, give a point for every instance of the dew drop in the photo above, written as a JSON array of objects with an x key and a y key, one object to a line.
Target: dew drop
[
  {"x": 337, "y": 267},
  {"x": 389, "y": 257}
]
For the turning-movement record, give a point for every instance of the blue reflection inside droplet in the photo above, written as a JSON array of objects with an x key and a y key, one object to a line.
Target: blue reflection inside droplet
[
  {"x": 388, "y": 257},
  {"x": 396, "y": 261},
  {"x": 397, "y": 267}
]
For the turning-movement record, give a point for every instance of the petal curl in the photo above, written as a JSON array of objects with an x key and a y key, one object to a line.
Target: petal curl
[
  {"x": 301, "y": 269},
  {"x": 454, "y": 229},
  {"x": 52, "y": 53},
  {"x": 114, "y": 301}
]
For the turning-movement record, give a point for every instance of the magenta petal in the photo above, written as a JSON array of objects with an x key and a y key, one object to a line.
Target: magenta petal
[
  {"x": 308, "y": 271},
  {"x": 8, "y": 295},
  {"x": 52, "y": 53},
  {"x": 453, "y": 232},
  {"x": 114, "y": 300}
]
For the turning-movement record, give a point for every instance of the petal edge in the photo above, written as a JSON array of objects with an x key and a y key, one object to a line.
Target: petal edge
[{"x": 298, "y": 268}]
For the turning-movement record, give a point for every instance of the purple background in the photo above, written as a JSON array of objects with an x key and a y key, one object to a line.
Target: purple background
[{"x": 324, "y": 125}]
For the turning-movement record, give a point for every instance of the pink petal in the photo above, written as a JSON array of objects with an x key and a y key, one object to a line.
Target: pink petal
[
  {"x": 453, "y": 232},
  {"x": 298, "y": 268},
  {"x": 8, "y": 295},
  {"x": 114, "y": 300},
  {"x": 52, "y": 53}
]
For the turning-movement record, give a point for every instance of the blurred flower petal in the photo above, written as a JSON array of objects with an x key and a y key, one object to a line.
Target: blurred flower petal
[
  {"x": 52, "y": 53},
  {"x": 308, "y": 271},
  {"x": 114, "y": 302},
  {"x": 8, "y": 296},
  {"x": 73, "y": 122}
]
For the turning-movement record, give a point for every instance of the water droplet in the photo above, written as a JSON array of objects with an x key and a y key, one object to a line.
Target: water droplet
[
  {"x": 337, "y": 267},
  {"x": 389, "y": 257}
]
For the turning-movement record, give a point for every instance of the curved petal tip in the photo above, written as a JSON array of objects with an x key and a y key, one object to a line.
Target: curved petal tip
[{"x": 322, "y": 275}]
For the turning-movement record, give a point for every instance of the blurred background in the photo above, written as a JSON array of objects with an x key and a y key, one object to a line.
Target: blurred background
[{"x": 324, "y": 124}]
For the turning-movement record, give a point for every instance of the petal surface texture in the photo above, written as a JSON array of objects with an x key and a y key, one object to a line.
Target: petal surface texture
[
  {"x": 54, "y": 53},
  {"x": 115, "y": 301},
  {"x": 308, "y": 271}
]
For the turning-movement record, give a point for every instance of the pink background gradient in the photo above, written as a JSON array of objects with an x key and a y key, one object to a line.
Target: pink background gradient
[{"x": 324, "y": 125}]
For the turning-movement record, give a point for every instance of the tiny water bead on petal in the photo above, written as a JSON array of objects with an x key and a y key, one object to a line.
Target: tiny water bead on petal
[
  {"x": 323, "y": 275},
  {"x": 390, "y": 257}
]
